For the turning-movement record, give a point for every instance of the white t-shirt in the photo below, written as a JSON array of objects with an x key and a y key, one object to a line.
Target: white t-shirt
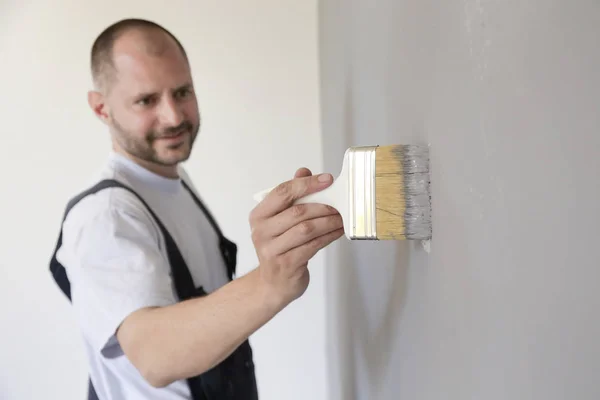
[{"x": 116, "y": 262}]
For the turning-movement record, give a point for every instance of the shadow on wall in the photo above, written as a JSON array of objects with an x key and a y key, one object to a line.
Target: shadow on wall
[
  {"x": 367, "y": 288},
  {"x": 371, "y": 279}
]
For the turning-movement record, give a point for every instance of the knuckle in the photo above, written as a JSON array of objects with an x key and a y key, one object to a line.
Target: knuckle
[
  {"x": 255, "y": 235},
  {"x": 306, "y": 227},
  {"x": 252, "y": 218},
  {"x": 298, "y": 210},
  {"x": 286, "y": 260},
  {"x": 335, "y": 221},
  {"x": 265, "y": 253},
  {"x": 255, "y": 216},
  {"x": 325, "y": 240},
  {"x": 283, "y": 189},
  {"x": 257, "y": 231},
  {"x": 316, "y": 244},
  {"x": 330, "y": 221},
  {"x": 322, "y": 240}
]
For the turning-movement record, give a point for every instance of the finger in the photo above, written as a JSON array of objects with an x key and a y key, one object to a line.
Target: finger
[
  {"x": 294, "y": 215},
  {"x": 284, "y": 194},
  {"x": 302, "y": 254},
  {"x": 302, "y": 172},
  {"x": 306, "y": 231}
]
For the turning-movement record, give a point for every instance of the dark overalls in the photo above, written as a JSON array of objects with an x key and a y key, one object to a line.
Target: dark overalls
[{"x": 233, "y": 378}]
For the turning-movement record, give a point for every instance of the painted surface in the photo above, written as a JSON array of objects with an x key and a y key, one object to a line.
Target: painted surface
[{"x": 507, "y": 93}]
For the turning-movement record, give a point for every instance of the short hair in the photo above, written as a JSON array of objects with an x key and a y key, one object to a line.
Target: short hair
[{"x": 102, "y": 49}]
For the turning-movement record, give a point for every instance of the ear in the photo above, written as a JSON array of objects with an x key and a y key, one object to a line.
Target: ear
[{"x": 98, "y": 105}]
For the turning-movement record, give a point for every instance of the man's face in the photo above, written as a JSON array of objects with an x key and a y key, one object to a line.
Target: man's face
[{"x": 152, "y": 108}]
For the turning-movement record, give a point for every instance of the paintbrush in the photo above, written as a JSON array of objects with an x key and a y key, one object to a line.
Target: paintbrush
[{"x": 381, "y": 193}]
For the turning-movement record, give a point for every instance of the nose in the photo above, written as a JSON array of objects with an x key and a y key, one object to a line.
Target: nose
[{"x": 171, "y": 113}]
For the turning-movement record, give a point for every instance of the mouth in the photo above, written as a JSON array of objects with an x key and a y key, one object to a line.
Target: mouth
[{"x": 174, "y": 138}]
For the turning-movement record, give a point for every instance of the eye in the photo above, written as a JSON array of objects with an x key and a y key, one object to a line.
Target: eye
[
  {"x": 145, "y": 101},
  {"x": 181, "y": 93}
]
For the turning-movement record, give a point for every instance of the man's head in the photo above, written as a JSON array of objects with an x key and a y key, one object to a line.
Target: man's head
[{"x": 144, "y": 93}]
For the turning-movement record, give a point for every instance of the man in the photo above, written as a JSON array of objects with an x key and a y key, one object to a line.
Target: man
[{"x": 117, "y": 256}]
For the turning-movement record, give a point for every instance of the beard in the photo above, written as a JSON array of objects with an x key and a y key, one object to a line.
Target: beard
[{"x": 147, "y": 149}]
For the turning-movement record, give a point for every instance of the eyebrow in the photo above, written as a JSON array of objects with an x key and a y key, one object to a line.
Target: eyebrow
[
  {"x": 184, "y": 86},
  {"x": 143, "y": 95}
]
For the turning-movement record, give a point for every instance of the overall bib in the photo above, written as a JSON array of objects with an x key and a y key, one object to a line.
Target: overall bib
[{"x": 234, "y": 377}]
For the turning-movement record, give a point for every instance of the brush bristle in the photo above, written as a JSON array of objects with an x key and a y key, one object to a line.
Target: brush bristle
[{"x": 403, "y": 202}]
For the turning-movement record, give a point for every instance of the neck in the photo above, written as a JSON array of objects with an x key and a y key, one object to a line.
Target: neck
[{"x": 167, "y": 171}]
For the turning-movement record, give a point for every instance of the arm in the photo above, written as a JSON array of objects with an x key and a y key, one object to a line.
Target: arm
[{"x": 185, "y": 339}]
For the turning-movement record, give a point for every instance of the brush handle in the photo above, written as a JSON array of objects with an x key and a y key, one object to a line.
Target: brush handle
[{"x": 329, "y": 196}]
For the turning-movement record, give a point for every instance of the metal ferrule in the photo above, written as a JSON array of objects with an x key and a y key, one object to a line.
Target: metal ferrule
[{"x": 361, "y": 193}]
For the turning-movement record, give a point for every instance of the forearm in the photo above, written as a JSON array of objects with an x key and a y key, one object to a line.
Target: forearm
[{"x": 188, "y": 338}]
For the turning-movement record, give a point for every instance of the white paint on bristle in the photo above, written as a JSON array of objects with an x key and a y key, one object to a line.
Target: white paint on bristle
[{"x": 426, "y": 245}]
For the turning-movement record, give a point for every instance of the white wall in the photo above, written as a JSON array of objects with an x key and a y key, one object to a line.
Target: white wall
[
  {"x": 507, "y": 93},
  {"x": 255, "y": 65}
]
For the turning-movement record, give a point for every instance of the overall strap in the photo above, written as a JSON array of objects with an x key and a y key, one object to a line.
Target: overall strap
[
  {"x": 203, "y": 208},
  {"x": 182, "y": 278},
  {"x": 227, "y": 247}
]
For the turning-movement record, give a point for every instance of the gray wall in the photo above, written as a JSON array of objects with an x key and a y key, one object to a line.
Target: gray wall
[{"x": 507, "y": 94}]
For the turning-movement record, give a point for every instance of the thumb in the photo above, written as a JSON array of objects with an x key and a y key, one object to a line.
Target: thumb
[{"x": 302, "y": 172}]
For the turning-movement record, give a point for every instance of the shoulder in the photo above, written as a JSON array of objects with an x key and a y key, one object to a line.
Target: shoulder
[
  {"x": 111, "y": 230},
  {"x": 110, "y": 211}
]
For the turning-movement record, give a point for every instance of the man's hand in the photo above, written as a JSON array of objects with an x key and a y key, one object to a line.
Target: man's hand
[{"x": 287, "y": 236}]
